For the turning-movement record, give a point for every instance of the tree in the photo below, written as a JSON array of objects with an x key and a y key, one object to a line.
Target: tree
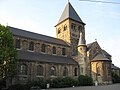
[{"x": 7, "y": 53}]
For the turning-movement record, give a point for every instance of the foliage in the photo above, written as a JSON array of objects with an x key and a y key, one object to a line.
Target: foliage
[
  {"x": 19, "y": 87},
  {"x": 85, "y": 80},
  {"x": 115, "y": 78},
  {"x": 63, "y": 82},
  {"x": 39, "y": 82},
  {"x": 7, "y": 53},
  {"x": 2, "y": 84}
]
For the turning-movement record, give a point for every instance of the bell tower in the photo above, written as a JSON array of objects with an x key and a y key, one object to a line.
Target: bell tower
[{"x": 69, "y": 28}]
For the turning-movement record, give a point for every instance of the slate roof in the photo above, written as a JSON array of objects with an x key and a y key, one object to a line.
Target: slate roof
[
  {"x": 69, "y": 12},
  {"x": 33, "y": 56},
  {"x": 100, "y": 57},
  {"x": 106, "y": 53},
  {"x": 31, "y": 35},
  {"x": 114, "y": 67}
]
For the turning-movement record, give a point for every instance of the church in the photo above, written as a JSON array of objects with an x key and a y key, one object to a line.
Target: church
[{"x": 41, "y": 56}]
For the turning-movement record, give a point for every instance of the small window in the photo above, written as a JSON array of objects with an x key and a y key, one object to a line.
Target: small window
[
  {"x": 40, "y": 70},
  {"x": 59, "y": 30},
  {"x": 65, "y": 71},
  {"x": 79, "y": 28},
  {"x": 65, "y": 27},
  {"x": 75, "y": 72},
  {"x": 73, "y": 27},
  {"x": 53, "y": 71},
  {"x": 17, "y": 43},
  {"x": 54, "y": 50},
  {"x": 31, "y": 46},
  {"x": 43, "y": 48},
  {"x": 98, "y": 71},
  {"x": 63, "y": 51},
  {"x": 23, "y": 69}
]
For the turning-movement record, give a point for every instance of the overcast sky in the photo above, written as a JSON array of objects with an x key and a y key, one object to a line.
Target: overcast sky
[{"x": 40, "y": 16}]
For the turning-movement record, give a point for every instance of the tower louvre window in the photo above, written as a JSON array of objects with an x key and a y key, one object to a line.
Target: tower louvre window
[
  {"x": 59, "y": 30},
  {"x": 73, "y": 27},
  {"x": 65, "y": 27},
  {"x": 79, "y": 28}
]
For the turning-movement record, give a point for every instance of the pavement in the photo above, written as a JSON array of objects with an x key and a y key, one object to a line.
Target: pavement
[{"x": 105, "y": 87}]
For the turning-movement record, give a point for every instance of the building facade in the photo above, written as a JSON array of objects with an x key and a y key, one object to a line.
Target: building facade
[{"x": 41, "y": 56}]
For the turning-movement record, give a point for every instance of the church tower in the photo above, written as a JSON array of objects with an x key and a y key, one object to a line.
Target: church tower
[{"x": 69, "y": 28}]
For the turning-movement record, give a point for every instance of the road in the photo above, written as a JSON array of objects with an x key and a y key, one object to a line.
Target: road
[{"x": 105, "y": 87}]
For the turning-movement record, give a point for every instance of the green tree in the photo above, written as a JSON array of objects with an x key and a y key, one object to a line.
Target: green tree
[{"x": 7, "y": 53}]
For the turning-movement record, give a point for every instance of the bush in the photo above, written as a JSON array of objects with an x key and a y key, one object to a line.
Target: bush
[
  {"x": 40, "y": 82},
  {"x": 19, "y": 87},
  {"x": 2, "y": 84},
  {"x": 115, "y": 78},
  {"x": 63, "y": 82},
  {"x": 85, "y": 80}
]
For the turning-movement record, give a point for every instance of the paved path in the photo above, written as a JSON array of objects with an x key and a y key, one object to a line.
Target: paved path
[{"x": 106, "y": 87}]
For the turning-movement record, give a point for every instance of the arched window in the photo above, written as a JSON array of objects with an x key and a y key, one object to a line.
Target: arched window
[
  {"x": 63, "y": 51},
  {"x": 31, "y": 46},
  {"x": 40, "y": 70},
  {"x": 65, "y": 27},
  {"x": 65, "y": 71},
  {"x": 43, "y": 48},
  {"x": 98, "y": 71},
  {"x": 17, "y": 43},
  {"x": 59, "y": 30},
  {"x": 54, "y": 50},
  {"x": 75, "y": 72},
  {"x": 80, "y": 28},
  {"x": 23, "y": 69},
  {"x": 73, "y": 27},
  {"x": 53, "y": 71}
]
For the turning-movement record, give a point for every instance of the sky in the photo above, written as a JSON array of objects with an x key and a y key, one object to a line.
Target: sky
[{"x": 40, "y": 16}]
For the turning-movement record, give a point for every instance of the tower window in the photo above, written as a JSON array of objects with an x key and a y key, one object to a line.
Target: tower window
[
  {"x": 17, "y": 43},
  {"x": 54, "y": 50},
  {"x": 43, "y": 48},
  {"x": 65, "y": 27},
  {"x": 73, "y": 26},
  {"x": 31, "y": 46},
  {"x": 79, "y": 28},
  {"x": 63, "y": 51},
  {"x": 59, "y": 30}
]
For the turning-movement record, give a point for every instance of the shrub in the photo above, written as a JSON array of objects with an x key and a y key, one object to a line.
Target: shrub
[
  {"x": 63, "y": 82},
  {"x": 2, "y": 84},
  {"x": 115, "y": 78},
  {"x": 19, "y": 87},
  {"x": 85, "y": 80},
  {"x": 40, "y": 82}
]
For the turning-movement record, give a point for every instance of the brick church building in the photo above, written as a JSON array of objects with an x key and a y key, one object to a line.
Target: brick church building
[{"x": 41, "y": 56}]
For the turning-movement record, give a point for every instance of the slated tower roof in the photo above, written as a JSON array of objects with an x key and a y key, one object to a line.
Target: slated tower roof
[{"x": 69, "y": 12}]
